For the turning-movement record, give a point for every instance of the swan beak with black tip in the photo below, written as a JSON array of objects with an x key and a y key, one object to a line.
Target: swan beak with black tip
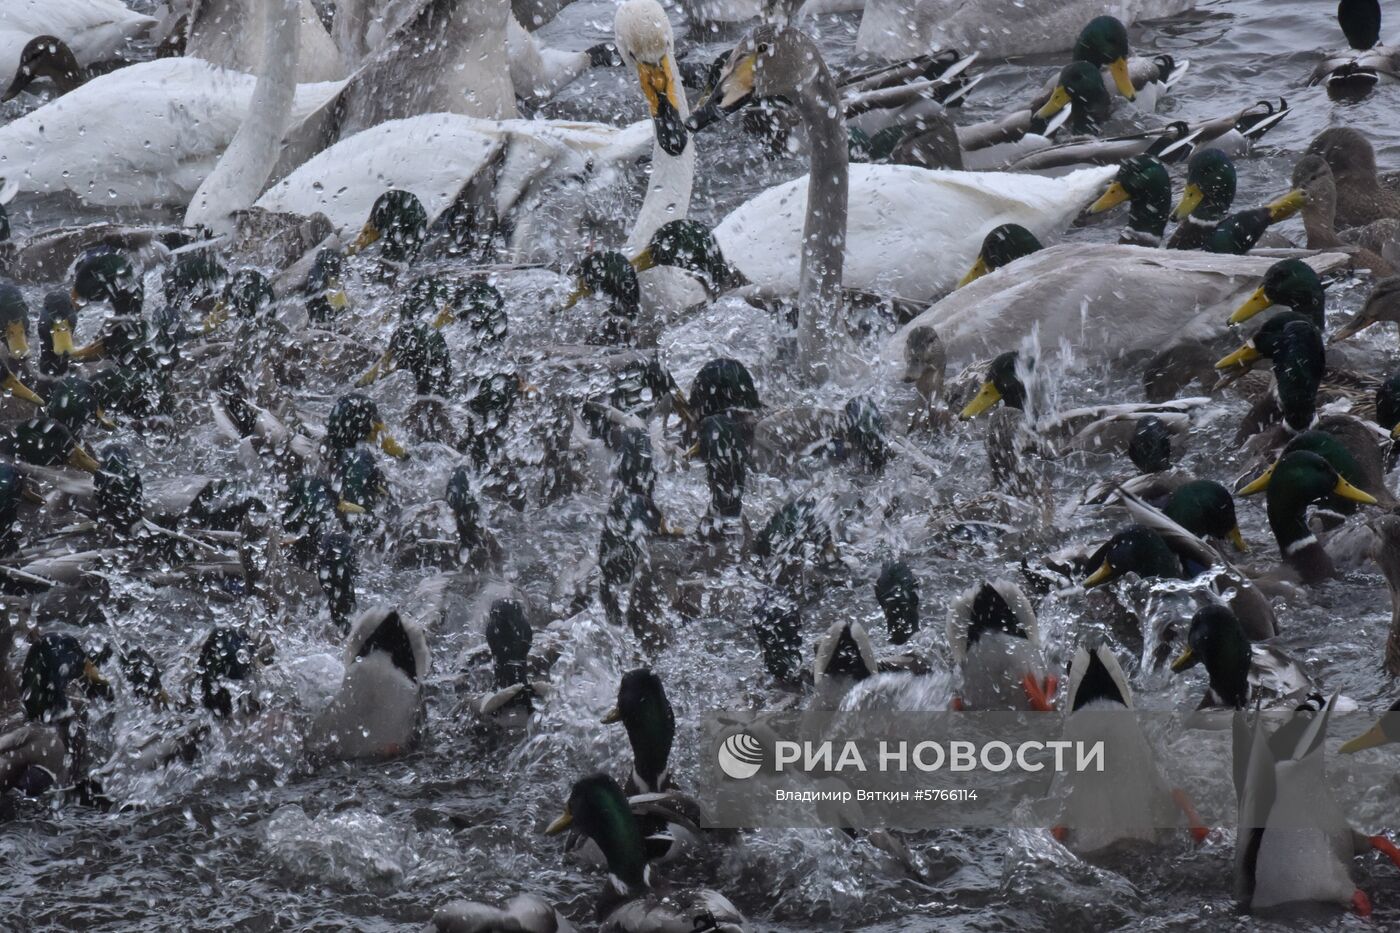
[
  {"x": 380, "y": 435},
  {"x": 985, "y": 398},
  {"x": 1191, "y": 199},
  {"x": 1122, "y": 79},
  {"x": 1257, "y": 302},
  {"x": 734, "y": 90},
  {"x": 663, "y": 100},
  {"x": 565, "y": 820},
  {"x": 979, "y": 269},
  {"x": 1114, "y": 196}
]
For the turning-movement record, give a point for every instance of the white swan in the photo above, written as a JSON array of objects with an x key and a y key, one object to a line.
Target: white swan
[
  {"x": 230, "y": 33},
  {"x": 93, "y": 29},
  {"x": 242, "y": 171},
  {"x": 142, "y": 136},
  {"x": 435, "y": 156},
  {"x": 896, "y": 29},
  {"x": 1104, "y": 300}
]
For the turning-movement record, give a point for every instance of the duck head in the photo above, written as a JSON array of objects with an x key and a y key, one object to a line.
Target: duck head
[
  {"x": 1217, "y": 639},
  {"x": 398, "y": 222},
  {"x": 118, "y": 489},
  {"x": 644, "y": 710},
  {"x": 58, "y": 322},
  {"x": 1001, "y": 384},
  {"x": 1001, "y": 247},
  {"x": 1079, "y": 85},
  {"x": 726, "y": 454},
  {"x": 689, "y": 245},
  {"x": 105, "y": 275},
  {"x": 45, "y": 442},
  {"x": 1136, "y": 549},
  {"x": 227, "y": 662},
  {"x": 1361, "y": 23},
  {"x": 14, "y": 319},
  {"x": 1103, "y": 43},
  {"x": 1150, "y": 448},
  {"x": 422, "y": 351},
  {"x": 1210, "y": 187},
  {"x": 925, "y": 361},
  {"x": 142, "y": 674},
  {"x": 1382, "y": 305},
  {"x": 247, "y": 297},
  {"x": 598, "y": 809},
  {"x": 194, "y": 279},
  {"x": 73, "y": 402},
  {"x": 466, "y": 509},
  {"x": 1143, "y": 181},
  {"x": 722, "y": 384},
  {"x": 1291, "y": 283},
  {"x": 324, "y": 287},
  {"x": 772, "y": 63},
  {"x": 509, "y": 637},
  {"x": 51, "y": 664},
  {"x": 482, "y": 307},
  {"x": 1388, "y": 404},
  {"x": 1297, "y": 481},
  {"x": 359, "y": 483},
  {"x": 355, "y": 419},
  {"x": 1206, "y": 509},
  {"x": 777, "y": 624}
]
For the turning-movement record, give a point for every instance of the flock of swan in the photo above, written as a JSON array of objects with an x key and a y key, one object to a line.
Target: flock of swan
[{"x": 360, "y": 209}]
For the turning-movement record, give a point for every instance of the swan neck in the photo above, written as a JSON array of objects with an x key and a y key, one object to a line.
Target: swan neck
[
  {"x": 668, "y": 189},
  {"x": 824, "y": 230}
]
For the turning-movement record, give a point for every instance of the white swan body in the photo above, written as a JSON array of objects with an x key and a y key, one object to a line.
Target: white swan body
[
  {"x": 741, "y": 11},
  {"x": 435, "y": 155},
  {"x": 229, "y": 33},
  {"x": 1105, "y": 300},
  {"x": 911, "y": 232},
  {"x": 896, "y": 29},
  {"x": 93, "y": 29},
  {"x": 141, "y": 136}
]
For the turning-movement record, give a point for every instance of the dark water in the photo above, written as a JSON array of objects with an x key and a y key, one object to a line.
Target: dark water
[{"x": 256, "y": 836}]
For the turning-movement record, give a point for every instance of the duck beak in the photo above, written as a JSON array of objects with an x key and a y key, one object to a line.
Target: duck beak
[
  {"x": 580, "y": 292},
  {"x": 380, "y": 435},
  {"x": 31, "y": 495},
  {"x": 346, "y": 507},
  {"x": 526, "y": 388},
  {"x": 986, "y": 397},
  {"x": 735, "y": 89},
  {"x": 94, "y": 351},
  {"x": 644, "y": 260},
  {"x": 693, "y": 451},
  {"x": 1185, "y": 661},
  {"x": 216, "y": 318},
  {"x": 19, "y": 390},
  {"x": 379, "y": 370},
  {"x": 682, "y": 408},
  {"x": 1191, "y": 199},
  {"x": 445, "y": 317},
  {"x": 1244, "y": 356},
  {"x": 1395, "y": 433},
  {"x": 979, "y": 269},
  {"x": 1059, "y": 100},
  {"x": 663, "y": 100},
  {"x": 369, "y": 235},
  {"x": 1114, "y": 196},
  {"x": 336, "y": 296},
  {"x": 83, "y": 460},
  {"x": 614, "y": 715},
  {"x": 1286, "y": 206},
  {"x": 17, "y": 339},
  {"x": 61, "y": 338},
  {"x": 100, "y": 416},
  {"x": 1103, "y": 575},
  {"x": 1237, "y": 539},
  {"x": 1260, "y": 484},
  {"x": 1257, "y": 302},
  {"x": 1353, "y": 327},
  {"x": 94, "y": 676},
  {"x": 1372, "y": 738},
  {"x": 1348, "y": 491},
  {"x": 565, "y": 820},
  {"x": 1122, "y": 79}
]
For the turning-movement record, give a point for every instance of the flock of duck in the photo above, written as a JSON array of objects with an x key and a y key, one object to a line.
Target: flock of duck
[{"x": 373, "y": 224}]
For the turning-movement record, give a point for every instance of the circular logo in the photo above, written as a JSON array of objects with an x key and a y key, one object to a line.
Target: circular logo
[{"x": 740, "y": 756}]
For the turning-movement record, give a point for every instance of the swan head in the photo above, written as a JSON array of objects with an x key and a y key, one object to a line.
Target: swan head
[
  {"x": 644, "y": 40},
  {"x": 772, "y": 62},
  {"x": 45, "y": 57}
]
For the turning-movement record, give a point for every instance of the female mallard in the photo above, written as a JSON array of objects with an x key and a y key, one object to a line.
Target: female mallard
[
  {"x": 599, "y": 810},
  {"x": 377, "y": 712},
  {"x": 1314, "y": 178},
  {"x": 1241, "y": 673},
  {"x": 995, "y": 640},
  {"x": 1383, "y": 304},
  {"x": 1362, "y": 196},
  {"x": 1385, "y": 551},
  {"x": 1297, "y": 481}
]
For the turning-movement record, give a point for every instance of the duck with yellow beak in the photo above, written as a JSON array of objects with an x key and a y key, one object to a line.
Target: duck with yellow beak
[
  {"x": 1003, "y": 246},
  {"x": 1103, "y": 45},
  {"x": 1143, "y": 182},
  {"x": 1291, "y": 283},
  {"x": 14, "y": 319}
]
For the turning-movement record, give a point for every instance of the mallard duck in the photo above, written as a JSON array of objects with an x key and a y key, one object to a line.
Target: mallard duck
[
  {"x": 1001, "y": 247},
  {"x": 1293, "y": 284},
  {"x": 1314, "y": 178},
  {"x": 228, "y": 666},
  {"x": 1143, "y": 182},
  {"x": 995, "y": 641},
  {"x": 599, "y": 810},
  {"x": 1129, "y": 799},
  {"x": 377, "y": 712},
  {"x": 1206, "y": 200},
  {"x": 897, "y": 592},
  {"x": 1295, "y": 482},
  {"x": 449, "y": 533},
  {"x": 355, "y": 419},
  {"x": 1242, "y": 674},
  {"x": 1354, "y": 72},
  {"x": 509, "y": 638},
  {"x": 39, "y": 754},
  {"x": 336, "y": 571},
  {"x": 1362, "y": 196},
  {"x": 14, "y": 317},
  {"x": 44, "y": 442},
  {"x": 1293, "y": 844},
  {"x": 107, "y": 276},
  {"x": 722, "y": 447},
  {"x": 777, "y": 627},
  {"x": 1383, "y": 304},
  {"x": 398, "y": 223},
  {"x": 797, "y": 542}
]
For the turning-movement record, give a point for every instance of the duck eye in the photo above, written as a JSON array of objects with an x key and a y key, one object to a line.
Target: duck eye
[{"x": 762, "y": 47}]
